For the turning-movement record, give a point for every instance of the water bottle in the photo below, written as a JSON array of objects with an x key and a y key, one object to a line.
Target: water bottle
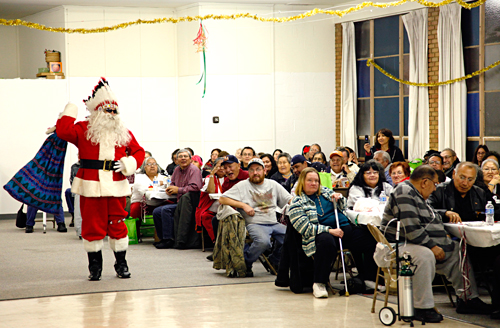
[
  {"x": 490, "y": 213},
  {"x": 169, "y": 181},
  {"x": 382, "y": 198},
  {"x": 155, "y": 183}
]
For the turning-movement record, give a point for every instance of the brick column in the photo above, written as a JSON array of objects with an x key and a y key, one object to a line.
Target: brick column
[
  {"x": 433, "y": 68},
  {"x": 338, "y": 78}
]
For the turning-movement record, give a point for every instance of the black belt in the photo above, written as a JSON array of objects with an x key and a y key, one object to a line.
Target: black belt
[{"x": 97, "y": 165}]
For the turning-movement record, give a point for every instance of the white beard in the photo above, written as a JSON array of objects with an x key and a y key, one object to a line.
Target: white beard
[{"x": 107, "y": 130}]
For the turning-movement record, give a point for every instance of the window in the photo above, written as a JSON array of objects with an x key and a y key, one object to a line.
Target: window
[
  {"x": 481, "y": 43},
  {"x": 382, "y": 102}
]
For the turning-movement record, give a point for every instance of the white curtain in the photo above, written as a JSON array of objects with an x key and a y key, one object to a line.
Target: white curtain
[
  {"x": 348, "y": 90},
  {"x": 418, "y": 105},
  {"x": 452, "y": 105}
]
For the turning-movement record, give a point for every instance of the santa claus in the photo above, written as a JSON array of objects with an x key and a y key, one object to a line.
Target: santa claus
[{"x": 108, "y": 152}]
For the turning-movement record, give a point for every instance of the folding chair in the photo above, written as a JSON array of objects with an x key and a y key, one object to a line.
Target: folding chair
[
  {"x": 382, "y": 272},
  {"x": 349, "y": 263}
]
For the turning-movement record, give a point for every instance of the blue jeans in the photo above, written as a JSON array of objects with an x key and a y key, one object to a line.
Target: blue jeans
[
  {"x": 261, "y": 235},
  {"x": 163, "y": 217},
  {"x": 70, "y": 200},
  {"x": 31, "y": 213}
]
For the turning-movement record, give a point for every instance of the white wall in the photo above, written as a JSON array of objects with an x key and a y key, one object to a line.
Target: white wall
[
  {"x": 9, "y": 48},
  {"x": 28, "y": 108},
  {"x": 305, "y": 81}
]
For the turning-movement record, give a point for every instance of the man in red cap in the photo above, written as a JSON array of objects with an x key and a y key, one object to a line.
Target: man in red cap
[{"x": 108, "y": 153}]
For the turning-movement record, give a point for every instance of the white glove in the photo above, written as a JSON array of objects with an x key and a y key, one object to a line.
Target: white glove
[{"x": 119, "y": 166}]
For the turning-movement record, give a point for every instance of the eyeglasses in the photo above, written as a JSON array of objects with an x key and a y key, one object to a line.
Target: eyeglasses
[
  {"x": 109, "y": 110},
  {"x": 435, "y": 183},
  {"x": 434, "y": 162},
  {"x": 371, "y": 172},
  {"x": 463, "y": 178},
  {"x": 151, "y": 164},
  {"x": 490, "y": 170}
]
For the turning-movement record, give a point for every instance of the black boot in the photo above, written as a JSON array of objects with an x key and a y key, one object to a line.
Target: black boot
[
  {"x": 61, "y": 227},
  {"x": 95, "y": 265},
  {"x": 72, "y": 224},
  {"x": 121, "y": 267}
]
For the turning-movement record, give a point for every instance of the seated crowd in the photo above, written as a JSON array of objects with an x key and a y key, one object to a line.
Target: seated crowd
[{"x": 260, "y": 185}]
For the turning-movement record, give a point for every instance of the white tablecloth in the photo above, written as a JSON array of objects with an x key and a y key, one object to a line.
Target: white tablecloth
[
  {"x": 477, "y": 233},
  {"x": 159, "y": 195},
  {"x": 365, "y": 217}
]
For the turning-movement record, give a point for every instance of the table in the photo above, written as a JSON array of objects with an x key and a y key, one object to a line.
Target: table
[
  {"x": 477, "y": 233},
  {"x": 365, "y": 217}
]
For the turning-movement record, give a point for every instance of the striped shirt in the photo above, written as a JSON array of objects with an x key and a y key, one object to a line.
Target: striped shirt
[{"x": 420, "y": 223}]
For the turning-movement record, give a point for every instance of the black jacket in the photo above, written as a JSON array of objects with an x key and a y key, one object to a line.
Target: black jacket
[
  {"x": 443, "y": 199},
  {"x": 395, "y": 153}
]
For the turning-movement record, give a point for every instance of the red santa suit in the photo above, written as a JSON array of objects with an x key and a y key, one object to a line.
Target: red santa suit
[
  {"x": 97, "y": 185},
  {"x": 102, "y": 189}
]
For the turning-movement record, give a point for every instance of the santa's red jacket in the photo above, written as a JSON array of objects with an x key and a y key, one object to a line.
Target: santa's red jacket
[{"x": 98, "y": 183}]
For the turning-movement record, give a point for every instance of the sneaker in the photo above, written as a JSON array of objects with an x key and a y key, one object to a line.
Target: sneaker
[
  {"x": 427, "y": 315},
  {"x": 473, "y": 306},
  {"x": 29, "y": 229},
  {"x": 319, "y": 290},
  {"x": 371, "y": 285},
  {"x": 61, "y": 227}
]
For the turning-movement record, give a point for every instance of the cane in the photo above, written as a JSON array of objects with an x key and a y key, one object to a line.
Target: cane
[{"x": 341, "y": 250}]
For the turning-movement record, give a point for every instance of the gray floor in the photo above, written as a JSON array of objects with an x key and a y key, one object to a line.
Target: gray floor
[{"x": 55, "y": 264}]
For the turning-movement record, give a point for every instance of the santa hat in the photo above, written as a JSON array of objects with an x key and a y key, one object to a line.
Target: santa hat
[{"x": 102, "y": 97}]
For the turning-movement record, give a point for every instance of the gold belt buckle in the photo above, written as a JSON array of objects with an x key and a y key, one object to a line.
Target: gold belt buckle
[{"x": 104, "y": 166}]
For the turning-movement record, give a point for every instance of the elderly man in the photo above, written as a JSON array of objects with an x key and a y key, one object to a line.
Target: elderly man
[
  {"x": 185, "y": 179},
  {"x": 384, "y": 159},
  {"x": 450, "y": 161},
  {"x": 459, "y": 199},
  {"x": 298, "y": 163},
  {"x": 257, "y": 198},
  {"x": 429, "y": 244},
  {"x": 339, "y": 168},
  {"x": 108, "y": 153},
  {"x": 346, "y": 153},
  {"x": 436, "y": 162}
]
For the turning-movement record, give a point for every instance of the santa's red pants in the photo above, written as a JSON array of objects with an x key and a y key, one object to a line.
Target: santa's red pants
[{"x": 103, "y": 216}]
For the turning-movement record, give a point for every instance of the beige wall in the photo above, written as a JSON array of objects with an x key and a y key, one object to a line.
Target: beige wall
[
  {"x": 9, "y": 48},
  {"x": 32, "y": 43}
]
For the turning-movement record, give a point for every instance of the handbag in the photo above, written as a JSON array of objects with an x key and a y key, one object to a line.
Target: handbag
[{"x": 21, "y": 218}]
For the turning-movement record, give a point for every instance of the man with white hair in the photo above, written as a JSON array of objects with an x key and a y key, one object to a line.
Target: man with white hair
[
  {"x": 384, "y": 159},
  {"x": 108, "y": 153}
]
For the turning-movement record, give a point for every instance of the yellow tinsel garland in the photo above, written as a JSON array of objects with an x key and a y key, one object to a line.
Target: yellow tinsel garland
[
  {"x": 372, "y": 62},
  {"x": 339, "y": 13}
]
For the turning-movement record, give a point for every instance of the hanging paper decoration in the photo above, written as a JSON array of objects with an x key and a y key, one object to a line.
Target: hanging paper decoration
[{"x": 201, "y": 43}]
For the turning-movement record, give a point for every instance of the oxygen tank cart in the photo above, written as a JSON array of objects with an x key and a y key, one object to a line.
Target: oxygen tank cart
[{"x": 404, "y": 275}]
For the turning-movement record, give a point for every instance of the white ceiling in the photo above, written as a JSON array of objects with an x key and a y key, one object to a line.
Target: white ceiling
[{"x": 13, "y": 9}]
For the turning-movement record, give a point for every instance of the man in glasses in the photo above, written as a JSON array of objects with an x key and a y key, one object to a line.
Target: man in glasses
[
  {"x": 108, "y": 153},
  {"x": 431, "y": 248},
  {"x": 459, "y": 199}
]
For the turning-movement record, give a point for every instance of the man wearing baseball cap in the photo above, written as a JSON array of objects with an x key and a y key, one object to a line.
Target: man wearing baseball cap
[
  {"x": 298, "y": 163},
  {"x": 257, "y": 199},
  {"x": 339, "y": 169},
  {"x": 234, "y": 175}
]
